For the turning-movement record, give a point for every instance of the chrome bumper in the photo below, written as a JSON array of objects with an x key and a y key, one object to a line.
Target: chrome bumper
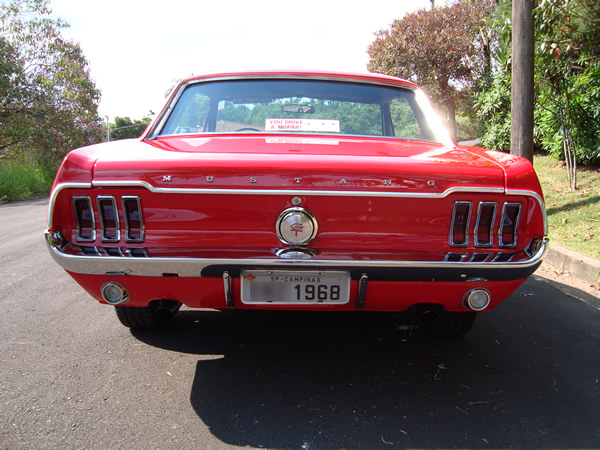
[{"x": 376, "y": 270}]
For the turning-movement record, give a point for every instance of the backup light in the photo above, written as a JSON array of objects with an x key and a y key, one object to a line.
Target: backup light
[
  {"x": 114, "y": 293},
  {"x": 478, "y": 299}
]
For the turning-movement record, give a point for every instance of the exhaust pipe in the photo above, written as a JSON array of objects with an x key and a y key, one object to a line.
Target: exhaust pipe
[
  {"x": 167, "y": 309},
  {"x": 429, "y": 316}
]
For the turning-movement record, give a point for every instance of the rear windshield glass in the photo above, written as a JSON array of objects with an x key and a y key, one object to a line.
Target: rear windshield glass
[{"x": 297, "y": 106}]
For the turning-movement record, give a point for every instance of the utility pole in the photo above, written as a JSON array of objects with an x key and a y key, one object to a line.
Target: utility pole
[
  {"x": 521, "y": 125},
  {"x": 107, "y": 130}
]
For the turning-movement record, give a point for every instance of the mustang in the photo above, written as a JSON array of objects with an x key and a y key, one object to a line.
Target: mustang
[{"x": 297, "y": 190}]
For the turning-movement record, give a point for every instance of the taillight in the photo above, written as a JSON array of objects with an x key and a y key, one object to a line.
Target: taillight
[
  {"x": 461, "y": 219},
  {"x": 109, "y": 218},
  {"x": 484, "y": 225},
  {"x": 509, "y": 224},
  {"x": 84, "y": 217},
  {"x": 134, "y": 224}
]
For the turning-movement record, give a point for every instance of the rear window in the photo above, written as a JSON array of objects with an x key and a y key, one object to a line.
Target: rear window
[{"x": 297, "y": 106}]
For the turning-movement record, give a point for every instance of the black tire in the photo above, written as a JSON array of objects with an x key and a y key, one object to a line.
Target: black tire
[
  {"x": 451, "y": 324},
  {"x": 152, "y": 317}
]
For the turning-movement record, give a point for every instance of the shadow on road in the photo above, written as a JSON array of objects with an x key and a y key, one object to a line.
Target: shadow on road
[{"x": 527, "y": 375}]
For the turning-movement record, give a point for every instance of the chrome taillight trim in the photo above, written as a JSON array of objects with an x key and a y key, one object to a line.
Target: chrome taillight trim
[
  {"x": 113, "y": 251},
  {"x": 539, "y": 199},
  {"x": 480, "y": 257},
  {"x": 490, "y": 231},
  {"x": 127, "y": 213},
  {"x": 503, "y": 257},
  {"x": 103, "y": 220},
  {"x": 54, "y": 195},
  {"x": 515, "y": 220},
  {"x": 92, "y": 236},
  {"x": 460, "y": 205},
  {"x": 456, "y": 257},
  {"x": 137, "y": 252},
  {"x": 89, "y": 251}
]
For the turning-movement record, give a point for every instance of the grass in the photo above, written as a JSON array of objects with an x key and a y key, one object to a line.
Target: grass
[
  {"x": 573, "y": 216},
  {"x": 21, "y": 181}
]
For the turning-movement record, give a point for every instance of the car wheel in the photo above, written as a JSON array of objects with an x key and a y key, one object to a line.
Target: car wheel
[
  {"x": 450, "y": 324},
  {"x": 152, "y": 317}
]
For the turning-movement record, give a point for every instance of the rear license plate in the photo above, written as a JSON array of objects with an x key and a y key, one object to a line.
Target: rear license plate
[{"x": 276, "y": 287}]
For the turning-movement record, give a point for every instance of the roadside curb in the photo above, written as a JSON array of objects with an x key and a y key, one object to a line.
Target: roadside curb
[{"x": 577, "y": 265}]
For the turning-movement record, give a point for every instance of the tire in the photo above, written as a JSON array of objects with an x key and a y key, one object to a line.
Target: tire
[
  {"x": 451, "y": 324},
  {"x": 152, "y": 317}
]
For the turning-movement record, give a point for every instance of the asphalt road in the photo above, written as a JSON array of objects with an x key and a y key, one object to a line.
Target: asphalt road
[{"x": 527, "y": 375}]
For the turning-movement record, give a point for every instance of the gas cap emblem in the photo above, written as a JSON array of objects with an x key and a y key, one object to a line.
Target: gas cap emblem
[{"x": 296, "y": 226}]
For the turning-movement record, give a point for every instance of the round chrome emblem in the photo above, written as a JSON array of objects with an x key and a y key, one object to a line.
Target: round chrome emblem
[{"x": 296, "y": 226}]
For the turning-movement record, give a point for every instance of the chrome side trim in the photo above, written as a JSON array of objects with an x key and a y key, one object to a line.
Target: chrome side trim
[
  {"x": 192, "y": 267},
  {"x": 56, "y": 191},
  {"x": 537, "y": 197},
  {"x": 296, "y": 192}
]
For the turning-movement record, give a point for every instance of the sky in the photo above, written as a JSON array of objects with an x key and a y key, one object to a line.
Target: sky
[{"x": 137, "y": 49}]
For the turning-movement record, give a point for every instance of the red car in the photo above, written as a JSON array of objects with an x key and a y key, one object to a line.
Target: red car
[{"x": 297, "y": 191}]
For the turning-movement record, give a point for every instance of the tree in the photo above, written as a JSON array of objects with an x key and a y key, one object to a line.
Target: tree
[
  {"x": 125, "y": 128},
  {"x": 443, "y": 50},
  {"x": 48, "y": 102}
]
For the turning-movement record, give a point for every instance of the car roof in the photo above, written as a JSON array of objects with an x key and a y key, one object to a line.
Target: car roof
[{"x": 327, "y": 75}]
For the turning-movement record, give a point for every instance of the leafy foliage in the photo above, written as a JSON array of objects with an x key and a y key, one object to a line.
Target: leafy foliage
[
  {"x": 125, "y": 128},
  {"x": 444, "y": 50},
  {"x": 48, "y": 102},
  {"x": 567, "y": 79},
  {"x": 568, "y": 76},
  {"x": 493, "y": 108}
]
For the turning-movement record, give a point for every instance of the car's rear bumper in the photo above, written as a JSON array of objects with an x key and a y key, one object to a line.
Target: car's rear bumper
[{"x": 380, "y": 270}]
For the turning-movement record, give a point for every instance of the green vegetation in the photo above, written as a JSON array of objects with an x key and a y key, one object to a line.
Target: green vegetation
[
  {"x": 125, "y": 128},
  {"x": 573, "y": 216},
  {"x": 567, "y": 80},
  {"x": 22, "y": 181},
  {"x": 48, "y": 101}
]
